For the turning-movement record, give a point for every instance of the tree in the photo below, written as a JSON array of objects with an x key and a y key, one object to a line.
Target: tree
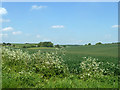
[
  {"x": 64, "y": 45},
  {"x": 40, "y": 44},
  {"x": 24, "y": 47},
  {"x": 13, "y": 45},
  {"x": 99, "y": 43},
  {"x": 9, "y": 44},
  {"x": 4, "y": 44},
  {"x": 89, "y": 43},
  {"x": 45, "y": 44},
  {"x": 57, "y": 46}
]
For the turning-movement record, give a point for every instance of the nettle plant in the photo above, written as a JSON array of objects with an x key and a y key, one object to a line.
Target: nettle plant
[{"x": 46, "y": 64}]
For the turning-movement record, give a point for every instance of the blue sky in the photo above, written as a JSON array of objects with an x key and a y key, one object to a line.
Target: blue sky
[{"x": 60, "y": 22}]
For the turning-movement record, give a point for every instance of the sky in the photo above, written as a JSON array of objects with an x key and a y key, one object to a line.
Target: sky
[
  {"x": 59, "y": 22},
  {"x": 60, "y": 0}
]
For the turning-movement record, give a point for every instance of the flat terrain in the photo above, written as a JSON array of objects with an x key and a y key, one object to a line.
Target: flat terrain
[
  {"x": 32, "y": 69},
  {"x": 74, "y": 54}
]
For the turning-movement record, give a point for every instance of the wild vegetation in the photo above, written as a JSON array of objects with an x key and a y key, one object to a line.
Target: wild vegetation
[{"x": 68, "y": 67}]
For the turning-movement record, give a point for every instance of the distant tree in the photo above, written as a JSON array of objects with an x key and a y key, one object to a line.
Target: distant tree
[
  {"x": 118, "y": 43},
  {"x": 24, "y": 47},
  {"x": 85, "y": 44},
  {"x": 99, "y": 43},
  {"x": 45, "y": 44},
  {"x": 57, "y": 46},
  {"x": 4, "y": 44},
  {"x": 33, "y": 46},
  {"x": 64, "y": 45},
  {"x": 89, "y": 43},
  {"x": 13, "y": 45},
  {"x": 9, "y": 44}
]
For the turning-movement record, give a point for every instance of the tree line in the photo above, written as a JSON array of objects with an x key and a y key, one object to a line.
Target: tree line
[{"x": 48, "y": 44}]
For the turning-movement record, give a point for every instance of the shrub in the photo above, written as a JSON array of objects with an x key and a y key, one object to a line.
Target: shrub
[
  {"x": 45, "y": 44},
  {"x": 92, "y": 68},
  {"x": 99, "y": 43},
  {"x": 57, "y": 46},
  {"x": 48, "y": 64},
  {"x": 89, "y": 43},
  {"x": 24, "y": 47}
]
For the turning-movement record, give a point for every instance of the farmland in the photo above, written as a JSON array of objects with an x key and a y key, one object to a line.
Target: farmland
[
  {"x": 72, "y": 58},
  {"x": 74, "y": 54},
  {"x": 64, "y": 44}
]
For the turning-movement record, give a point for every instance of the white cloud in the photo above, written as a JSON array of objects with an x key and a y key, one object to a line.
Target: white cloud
[
  {"x": 3, "y": 11},
  {"x": 115, "y": 26},
  {"x": 17, "y": 32},
  {"x": 57, "y": 26},
  {"x": 3, "y": 35},
  {"x": 4, "y": 20},
  {"x": 38, "y": 36},
  {"x": 7, "y": 29},
  {"x": 35, "y": 7}
]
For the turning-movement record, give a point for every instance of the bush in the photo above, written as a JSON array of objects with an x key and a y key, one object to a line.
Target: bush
[
  {"x": 24, "y": 47},
  {"x": 48, "y": 64},
  {"x": 92, "y": 68},
  {"x": 57, "y": 46},
  {"x": 89, "y": 43},
  {"x": 45, "y": 44},
  {"x": 64, "y": 46},
  {"x": 99, "y": 43}
]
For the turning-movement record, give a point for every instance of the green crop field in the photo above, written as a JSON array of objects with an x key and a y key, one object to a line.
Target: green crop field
[
  {"x": 76, "y": 70},
  {"x": 74, "y": 54}
]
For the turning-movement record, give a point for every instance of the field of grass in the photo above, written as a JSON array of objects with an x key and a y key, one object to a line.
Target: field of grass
[
  {"x": 104, "y": 53},
  {"x": 92, "y": 66},
  {"x": 74, "y": 54}
]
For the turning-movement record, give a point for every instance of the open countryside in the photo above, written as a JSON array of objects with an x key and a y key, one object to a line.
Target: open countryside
[
  {"x": 59, "y": 45},
  {"x": 72, "y": 57}
]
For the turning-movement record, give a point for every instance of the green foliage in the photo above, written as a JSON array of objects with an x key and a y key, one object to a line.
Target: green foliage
[
  {"x": 45, "y": 44},
  {"x": 69, "y": 67},
  {"x": 8, "y": 44},
  {"x": 24, "y": 47},
  {"x": 89, "y": 43},
  {"x": 4, "y": 44},
  {"x": 57, "y": 46},
  {"x": 64, "y": 45},
  {"x": 32, "y": 80},
  {"x": 99, "y": 43},
  {"x": 48, "y": 64},
  {"x": 93, "y": 68}
]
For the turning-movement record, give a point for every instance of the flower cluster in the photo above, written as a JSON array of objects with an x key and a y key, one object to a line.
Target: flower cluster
[{"x": 91, "y": 67}]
